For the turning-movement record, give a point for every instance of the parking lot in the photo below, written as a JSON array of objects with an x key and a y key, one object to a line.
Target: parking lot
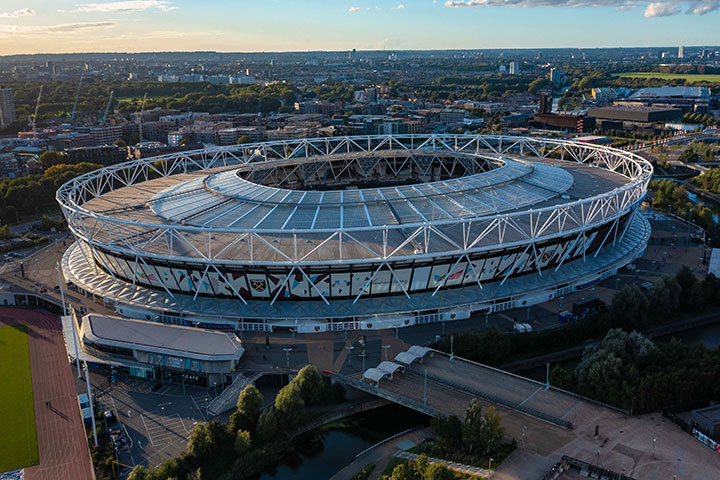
[{"x": 152, "y": 421}]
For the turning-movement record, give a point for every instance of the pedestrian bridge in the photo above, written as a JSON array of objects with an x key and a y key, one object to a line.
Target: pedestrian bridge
[
  {"x": 431, "y": 382},
  {"x": 546, "y": 422}
]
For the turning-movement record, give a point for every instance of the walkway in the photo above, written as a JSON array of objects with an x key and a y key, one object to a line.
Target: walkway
[
  {"x": 380, "y": 456},
  {"x": 458, "y": 467}
]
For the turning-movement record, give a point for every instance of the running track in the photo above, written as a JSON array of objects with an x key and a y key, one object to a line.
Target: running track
[{"x": 62, "y": 445}]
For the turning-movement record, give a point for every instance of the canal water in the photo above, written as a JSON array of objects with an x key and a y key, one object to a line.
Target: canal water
[{"x": 320, "y": 456}]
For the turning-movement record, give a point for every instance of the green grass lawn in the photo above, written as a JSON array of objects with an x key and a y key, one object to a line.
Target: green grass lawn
[
  {"x": 18, "y": 439},
  {"x": 688, "y": 77}
]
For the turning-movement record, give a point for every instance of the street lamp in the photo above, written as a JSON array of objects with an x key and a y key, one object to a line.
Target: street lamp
[
  {"x": 287, "y": 355},
  {"x": 425, "y": 388},
  {"x": 92, "y": 408},
  {"x": 654, "y": 441},
  {"x": 349, "y": 349},
  {"x": 490, "y": 460},
  {"x": 386, "y": 348}
]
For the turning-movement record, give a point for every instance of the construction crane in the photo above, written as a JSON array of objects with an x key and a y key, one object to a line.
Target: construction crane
[
  {"x": 107, "y": 108},
  {"x": 77, "y": 96},
  {"x": 142, "y": 109},
  {"x": 33, "y": 120}
]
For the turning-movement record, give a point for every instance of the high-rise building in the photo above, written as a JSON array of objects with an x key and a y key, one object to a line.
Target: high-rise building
[
  {"x": 514, "y": 68},
  {"x": 7, "y": 106},
  {"x": 681, "y": 51},
  {"x": 557, "y": 76}
]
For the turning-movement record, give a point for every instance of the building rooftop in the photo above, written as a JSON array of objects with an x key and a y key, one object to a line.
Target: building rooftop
[
  {"x": 676, "y": 92},
  {"x": 711, "y": 413},
  {"x": 160, "y": 338}
]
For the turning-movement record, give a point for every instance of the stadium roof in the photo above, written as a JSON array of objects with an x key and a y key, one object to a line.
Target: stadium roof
[{"x": 225, "y": 200}]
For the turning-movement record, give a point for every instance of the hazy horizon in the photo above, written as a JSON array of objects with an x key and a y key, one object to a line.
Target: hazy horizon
[{"x": 144, "y": 26}]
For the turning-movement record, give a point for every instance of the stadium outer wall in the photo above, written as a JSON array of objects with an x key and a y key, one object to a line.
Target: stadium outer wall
[{"x": 410, "y": 273}]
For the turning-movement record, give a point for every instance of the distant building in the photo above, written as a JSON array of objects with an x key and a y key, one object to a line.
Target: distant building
[
  {"x": 7, "y": 106},
  {"x": 319, "y": 106},
  {"x": 514, "y": 68},
  {"x": 686, "y": 98},
  {"x": 635, "y": 115},
  {"x": 230, "y": 136},
  {"x": 681, "y": 51},
  {"x": 564, "y": 123},
  {"x": 557, "y": 76},
  {"x": 453, "y": 115},
  {"x": 102, "y": 155},
  {"x": 105, "y": 134},
  {"x": 604, "y": 95}
]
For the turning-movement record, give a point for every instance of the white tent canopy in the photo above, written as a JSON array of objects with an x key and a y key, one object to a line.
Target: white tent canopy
[{"x": 375, "y": 374}]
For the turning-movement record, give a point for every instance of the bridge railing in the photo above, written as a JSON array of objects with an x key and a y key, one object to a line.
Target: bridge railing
[
  {"x": 497, "y": 399},
  {"x": 393, "y": 397},
  {"x": 540, "y": 384}
]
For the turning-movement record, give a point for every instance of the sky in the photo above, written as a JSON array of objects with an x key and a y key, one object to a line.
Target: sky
[{"x": 60, "y": 26}]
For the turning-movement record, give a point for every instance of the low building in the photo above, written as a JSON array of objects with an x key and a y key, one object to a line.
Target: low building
[
  {"x": 453, "y": 115},
  {"x": 319, "y": 106},
  {"x": 155, "y": 350},
  {"x": 564, "y": 123},
  {"x": 707, "y": 421},
  {"x": 685, "y": 98},
  {"x": 102, "y": 155},
  {"x": 635, "y": 114},
  {"x": 604, "y": 95}
]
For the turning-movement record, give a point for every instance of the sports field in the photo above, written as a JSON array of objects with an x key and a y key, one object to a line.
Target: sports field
[
  {"x": 688, "y": 77},
  {"x": 18, "y": 439}
]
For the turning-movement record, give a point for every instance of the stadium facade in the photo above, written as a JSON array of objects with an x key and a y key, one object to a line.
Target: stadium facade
[{"x": 363, "y": 232}]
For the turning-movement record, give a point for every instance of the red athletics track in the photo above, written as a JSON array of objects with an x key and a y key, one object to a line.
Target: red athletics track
[{"x": 62, "y": 445}]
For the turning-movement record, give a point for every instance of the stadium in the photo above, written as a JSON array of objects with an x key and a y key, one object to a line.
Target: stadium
[{"x": 353, "y": 233}]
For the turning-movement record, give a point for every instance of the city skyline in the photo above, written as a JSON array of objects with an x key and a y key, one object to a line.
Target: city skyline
[{"x": 28, "y": 27}]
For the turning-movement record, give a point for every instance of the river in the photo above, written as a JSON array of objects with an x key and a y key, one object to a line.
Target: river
[{"x": 320, "y": 456}]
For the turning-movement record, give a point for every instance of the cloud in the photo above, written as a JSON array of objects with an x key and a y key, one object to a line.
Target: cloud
[
  {"x": 45, "y": 29},
  {"x": 652, "y": 9},
  {"x": 126, "y": 6},
  {"x": 399, "y": 7},
  {"x": 24, "y": 12},
  {"x": 354, "y": 9},
  {"x": 662, "y": 9}
]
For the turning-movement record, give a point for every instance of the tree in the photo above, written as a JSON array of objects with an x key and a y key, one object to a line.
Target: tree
[
  {"x": 51, "y": 157},
  {"x": 404, "y": 472},
  {"x": 310, "y": 384},
  {"x": 289, "y": 403},
  {"x": 184, "y": 142},
  {"x": 629, "y": 307},
  {"x": 140, "y": 473},
  {"x": 4, "y": 232},
  {"x": 120, "y": 143},
  {"x": 448, "y": 431},
  {"x": 436, "y": 471},
  {"x": 243, "y": 140},
  {"x": 250, "y": 402},
  {"x": 267, "y": 425},
  {"x": 242, "y": 442},
  {"x": 473, "y": 425}
]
